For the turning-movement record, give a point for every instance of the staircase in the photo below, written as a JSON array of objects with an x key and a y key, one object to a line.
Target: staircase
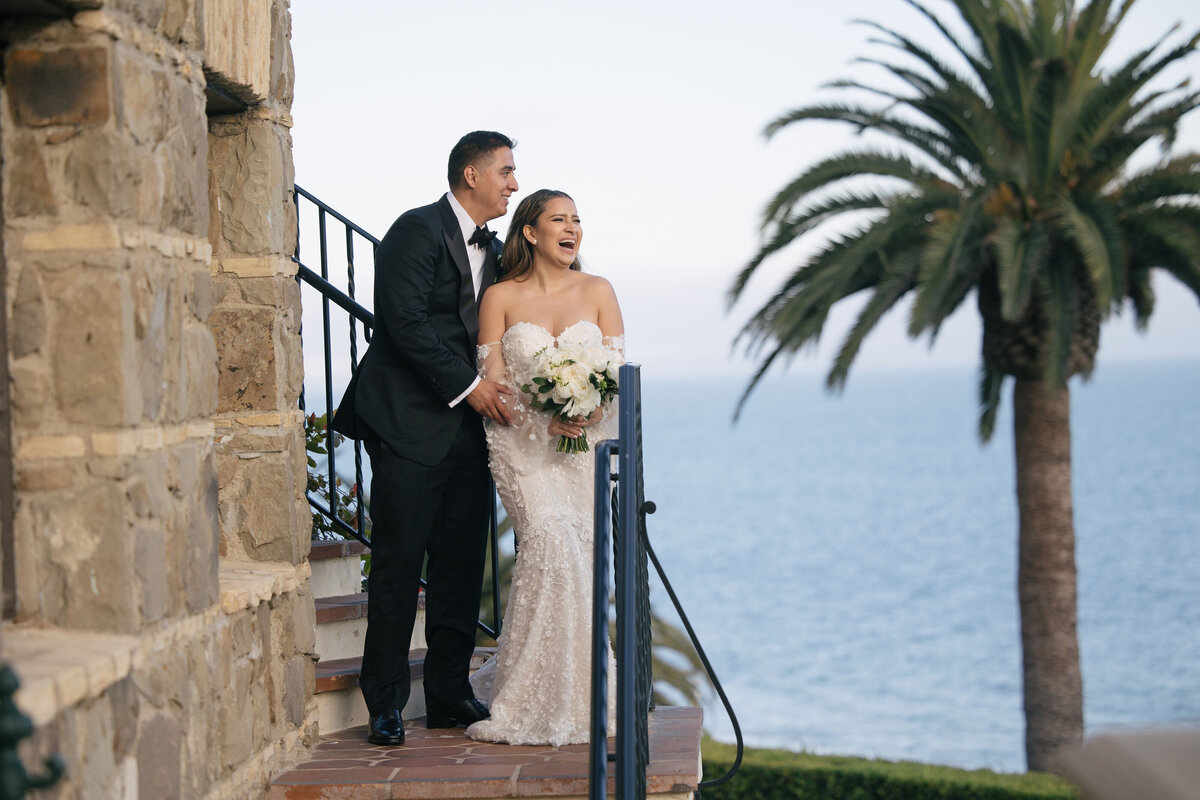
[
  {"x": 341, "y": 627},
  {"x": 440, "y": 763}
]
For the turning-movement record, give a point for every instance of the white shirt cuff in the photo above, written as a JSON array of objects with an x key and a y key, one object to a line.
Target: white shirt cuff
[{"x": 470, "y": 389}]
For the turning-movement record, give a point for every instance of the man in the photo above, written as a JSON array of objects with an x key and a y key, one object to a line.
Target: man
[{"x": 416, "y": 402}]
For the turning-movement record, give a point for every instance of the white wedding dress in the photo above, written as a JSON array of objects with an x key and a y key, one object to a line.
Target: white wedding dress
[{"x": 538, "y": 686}]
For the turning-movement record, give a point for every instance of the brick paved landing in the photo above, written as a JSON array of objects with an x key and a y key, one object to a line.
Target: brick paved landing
[{"x": 446, "y": 764}]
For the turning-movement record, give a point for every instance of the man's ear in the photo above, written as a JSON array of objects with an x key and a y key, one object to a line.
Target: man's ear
[{"x": 471, "y": 175}]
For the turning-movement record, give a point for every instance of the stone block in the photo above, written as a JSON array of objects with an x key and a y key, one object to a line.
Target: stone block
[
  {"x": 263, "y": 291},
  {"x": 180, "y": 21},
  {"x": 237, "y": 47},
  {"x": 254, "y": 441},
  {"x": 202, "y": 534},
  {"x": 140, "y": 92},
  {"x": 202, "y": 383},
  {"x": 30, "y": 396},
  {"x": 155, "y": 328},
  {"x": 185, "y": 200},
  {"x": 147, "y": 12},
  {"x": 87, "y": 561},
  {"x": 97, "y": 772},
  {"x": 246, "y": 354},
  {"x": 125, "y": 706},
  {"x": 298, "y": 686},
  {"x": 28, "y": 331},
  {"x": 202, "y": 297},
  {"x": 251, "y": 210},
  {"x": 266, "y": 529},
  {"x": 236, "y": 717},
  {"x": 159, "y": 758},
  {"x": 88, "y": 341},
  {"x": 104, "y": 174},
  {"x": 67, "y": 86},
  {"x": 303, "y": 625},
  {"x": 25, "y": 168},
  {"x": 283, "y": 69},
  {"x": 47, "y": 477},
  {"x": 151, "y": 569}
]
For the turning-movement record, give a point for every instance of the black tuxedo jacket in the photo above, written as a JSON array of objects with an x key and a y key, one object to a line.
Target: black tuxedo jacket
[{"x": 422, "y": 352}]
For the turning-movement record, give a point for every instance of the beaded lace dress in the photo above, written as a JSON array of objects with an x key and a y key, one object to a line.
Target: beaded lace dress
[{"x": 538, "y": 686}]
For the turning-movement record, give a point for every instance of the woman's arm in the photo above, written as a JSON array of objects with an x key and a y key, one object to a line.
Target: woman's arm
[{"x": 490, "y": 397}]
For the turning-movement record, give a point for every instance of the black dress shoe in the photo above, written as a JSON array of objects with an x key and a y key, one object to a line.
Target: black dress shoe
[
  {"x": 387, "y": 728},
  {"x": 464, "y": 712}
]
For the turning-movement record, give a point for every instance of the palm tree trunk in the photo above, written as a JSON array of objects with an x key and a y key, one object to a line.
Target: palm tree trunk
[{"x": 1046, "y": 578}]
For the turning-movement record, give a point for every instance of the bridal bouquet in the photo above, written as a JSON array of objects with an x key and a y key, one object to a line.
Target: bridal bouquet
[{"x": 573, "y": 380}]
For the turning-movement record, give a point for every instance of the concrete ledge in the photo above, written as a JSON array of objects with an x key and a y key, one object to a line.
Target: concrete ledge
[
  {"x": 59, "y": 668},
  {"x": 245, "y": 584}
]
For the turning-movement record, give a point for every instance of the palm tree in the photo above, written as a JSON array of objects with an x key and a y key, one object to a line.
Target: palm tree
[{"x": 1007, "y": 179}]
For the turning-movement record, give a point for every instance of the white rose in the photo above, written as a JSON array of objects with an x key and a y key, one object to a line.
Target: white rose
[
  {"x": 614, "y": 365},
  {"x": 584, "y": 403}
]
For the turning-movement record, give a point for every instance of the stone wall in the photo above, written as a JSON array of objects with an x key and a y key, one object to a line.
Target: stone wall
[
  {"x": 162, "y": 623},
  {"x": 8, "y": 598},
  {"x": 261, "y": 460},
  {"x": 113, "y": 385}
]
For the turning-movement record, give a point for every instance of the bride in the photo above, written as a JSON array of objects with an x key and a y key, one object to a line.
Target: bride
[{"x": 539, "y": 684}]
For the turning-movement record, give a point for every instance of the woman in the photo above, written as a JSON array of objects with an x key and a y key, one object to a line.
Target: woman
[{"x": 540, "y": 681}]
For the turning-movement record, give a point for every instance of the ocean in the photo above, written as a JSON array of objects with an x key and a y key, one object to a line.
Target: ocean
[{"x": 849, "y": 561}]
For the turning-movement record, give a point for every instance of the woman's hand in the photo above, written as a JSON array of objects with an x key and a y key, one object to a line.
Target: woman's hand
[{"x": 573, "y": 427}]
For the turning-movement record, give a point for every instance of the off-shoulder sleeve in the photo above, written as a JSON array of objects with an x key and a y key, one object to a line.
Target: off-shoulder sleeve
[
  {"x": 615, "y": 343},
  {"x": 489, "y": 361}
]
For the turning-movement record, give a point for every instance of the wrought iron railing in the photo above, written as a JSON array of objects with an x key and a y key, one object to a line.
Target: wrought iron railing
[
  {"x": 624, "y": 510},
  {"x": 356, "y": 326}
]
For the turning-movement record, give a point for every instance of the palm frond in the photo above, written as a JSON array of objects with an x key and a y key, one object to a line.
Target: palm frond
[
  {"x": 796, "y": 226},
  {"x": 897, "y": 282},
  {"x": 949, "y": 239},
  {"x": 1085, "y": 228},
  {"x": 1020, "y": 256},
  {"x": 852, "y": 164}
]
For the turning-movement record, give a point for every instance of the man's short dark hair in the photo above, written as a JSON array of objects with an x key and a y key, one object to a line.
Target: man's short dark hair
[{"x": 474, "y": 148}]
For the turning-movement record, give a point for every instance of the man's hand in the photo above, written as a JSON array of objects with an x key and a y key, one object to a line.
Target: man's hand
[{"x": 491, "y": 400}]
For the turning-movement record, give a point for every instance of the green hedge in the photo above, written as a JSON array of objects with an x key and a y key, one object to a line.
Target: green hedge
[{"x": 784, "y": 775}]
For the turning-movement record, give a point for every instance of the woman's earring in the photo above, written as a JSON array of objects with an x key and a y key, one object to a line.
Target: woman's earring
[{"x": 533, "y": 242}]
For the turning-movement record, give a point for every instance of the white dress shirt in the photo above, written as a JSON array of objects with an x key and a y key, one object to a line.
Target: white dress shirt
[{"x": 475, "y": 257}]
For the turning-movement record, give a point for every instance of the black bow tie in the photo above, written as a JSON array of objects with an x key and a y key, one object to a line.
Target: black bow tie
[{"x": 481, "y": 237}]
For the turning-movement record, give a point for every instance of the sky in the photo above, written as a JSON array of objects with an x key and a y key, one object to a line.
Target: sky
[{"x": 650, "y": 114}]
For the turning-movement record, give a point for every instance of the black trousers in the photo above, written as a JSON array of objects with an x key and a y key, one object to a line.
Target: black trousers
[{"x": 418, "y": 512}]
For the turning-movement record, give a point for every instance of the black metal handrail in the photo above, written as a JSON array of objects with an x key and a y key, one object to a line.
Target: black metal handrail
[
  {"x": 356, "y": 316},
  {"x": 624, "y": 510}
]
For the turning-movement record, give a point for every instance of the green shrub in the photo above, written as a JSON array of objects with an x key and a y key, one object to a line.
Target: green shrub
[{"x": 784, "y": 775}]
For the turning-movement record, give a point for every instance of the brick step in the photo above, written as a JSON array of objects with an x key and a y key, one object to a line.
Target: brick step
[
  {"x": 340, "y": 704},
  {"x": 336, "y": 567},
  {"x": 445, "y": 763},
  {"x": 340, "y": 608},
  {"x": 342, "y": 625}
]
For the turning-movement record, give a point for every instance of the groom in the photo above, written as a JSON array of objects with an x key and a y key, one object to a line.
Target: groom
[{"x": 416, "y": 402}]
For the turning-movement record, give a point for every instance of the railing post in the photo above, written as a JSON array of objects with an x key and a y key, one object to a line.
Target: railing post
[
  {"x": 598, "y": 741},
  {"x": 632, "y": 650}
]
